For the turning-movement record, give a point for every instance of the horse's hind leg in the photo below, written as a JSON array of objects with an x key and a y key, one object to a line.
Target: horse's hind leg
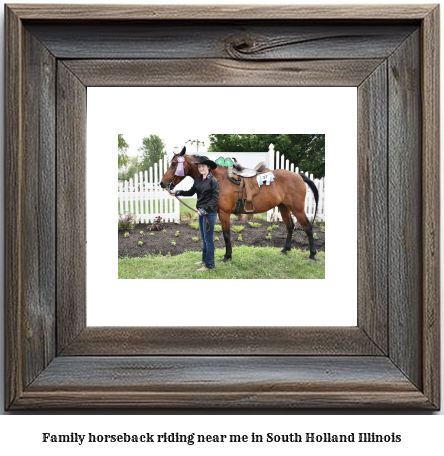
[
  {"x": 286, "y": 217},
  {"x": 308, "y": 228},
  {"x": 225, "y": 222}
]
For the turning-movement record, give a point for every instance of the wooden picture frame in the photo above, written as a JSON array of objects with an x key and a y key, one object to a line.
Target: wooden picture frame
[{"x": 390, "y": 360}]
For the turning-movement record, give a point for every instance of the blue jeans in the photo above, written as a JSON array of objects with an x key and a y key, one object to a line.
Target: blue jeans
[{"x": 207, "y": 238}]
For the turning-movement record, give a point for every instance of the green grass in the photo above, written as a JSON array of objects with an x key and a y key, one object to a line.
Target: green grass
[{"x": 247, "y": 263}]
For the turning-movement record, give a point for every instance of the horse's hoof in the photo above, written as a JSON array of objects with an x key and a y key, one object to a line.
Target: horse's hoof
[
  {"x": 312, "y": 260},
  {"x": 282, "y": 253}
]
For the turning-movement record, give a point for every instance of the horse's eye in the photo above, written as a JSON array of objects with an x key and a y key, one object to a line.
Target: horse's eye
[{"x": 173, "y": 164}]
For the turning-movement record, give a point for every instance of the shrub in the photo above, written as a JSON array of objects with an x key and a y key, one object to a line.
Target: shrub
[
  {"x": 254, "y": 225},
  {"x": 217, "y": 228},
  {"x": 157, "y": 225},
  {"x": 195, "y": 239},
  {"x": 237, "y": 229},
  {"x": 127, "y": 221}
]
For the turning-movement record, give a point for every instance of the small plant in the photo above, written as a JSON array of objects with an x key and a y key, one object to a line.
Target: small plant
[
  {"x": 240, "y": 237},
  {"x": 315, "y": 236},
  {"x": 254, "y": 225},
  {"x": 157, "y": 225},
  {"x": 217, "y": 228},
  {"x": 163, "y": 231},
  {"x": 194, "y": 225},
  {"x": 216, "y": 238},
  {"x": 268, "y": 238},
  {"x": 275, "y": 227},
  {"x": 323, "y": 228},
  {"x": 177, "y": 234},
  {"x": 270, "y": 229},
  {"x": 127, "y": 221},
  {"x": 141, "y": 232},
  {"x": 126, "y": 234},
  {"x": 173, "y": 243},
  {"x": 237, "y": 228},
  {"x": 195, "y": 239},
  {"x": 140, "y": 243},
  {"x": 151, "y": 234}
]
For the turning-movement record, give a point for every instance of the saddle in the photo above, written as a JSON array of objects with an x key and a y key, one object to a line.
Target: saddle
[{"x": 248, "y": 186}]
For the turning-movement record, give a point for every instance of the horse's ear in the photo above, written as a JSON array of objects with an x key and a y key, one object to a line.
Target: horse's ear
[{"x": 183, "y": 151}]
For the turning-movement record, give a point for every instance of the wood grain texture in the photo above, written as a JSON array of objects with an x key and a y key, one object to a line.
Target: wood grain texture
[
  {"x": 430, "y": 93},
  {"x": 372, "y": 207},
  {"x": 13, "y": 207},
  {"x": 220, "y": 72},
  {"x": 236, "y": 40},
  {"x": 127, "y": 341},
  {"x": 234, "y": 382},
  {"x": 405, "y": 209},
  {"x": 39, "y": 207},
  {"x": 71, "y": 206},
  {"x": 220, "y": 12},
  {"x": 89, "y": 374}
]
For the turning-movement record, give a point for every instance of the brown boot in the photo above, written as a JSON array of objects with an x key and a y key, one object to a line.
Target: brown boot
[
  {"x": 203, "y": 269},
  {"x": 199, "y": 262}
]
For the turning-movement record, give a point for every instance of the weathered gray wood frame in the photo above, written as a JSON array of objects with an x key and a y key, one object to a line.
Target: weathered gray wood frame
[{"x": 390, "y": 360}]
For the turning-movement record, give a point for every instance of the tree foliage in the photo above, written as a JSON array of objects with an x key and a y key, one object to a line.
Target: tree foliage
[
  {"x": 306, "y": 151},
  {"x": 153, "y": 149},
  {"x": 123, "y": 153}
]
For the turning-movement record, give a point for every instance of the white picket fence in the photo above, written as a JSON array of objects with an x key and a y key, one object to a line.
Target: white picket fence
[{"x": 144, "y": 197}]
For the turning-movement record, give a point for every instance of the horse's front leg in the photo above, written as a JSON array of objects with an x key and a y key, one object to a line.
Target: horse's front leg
[{"x": 225, "y": 222}]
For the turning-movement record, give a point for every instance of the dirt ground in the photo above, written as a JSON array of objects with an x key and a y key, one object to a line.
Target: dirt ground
[{"x": 161, "y": 242}]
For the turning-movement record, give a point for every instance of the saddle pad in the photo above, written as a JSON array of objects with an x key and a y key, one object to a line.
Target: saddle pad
[{"x": 265, "y": 178}]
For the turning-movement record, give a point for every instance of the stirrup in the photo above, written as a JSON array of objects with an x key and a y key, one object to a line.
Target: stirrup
[{"x": 245, "y": 208}]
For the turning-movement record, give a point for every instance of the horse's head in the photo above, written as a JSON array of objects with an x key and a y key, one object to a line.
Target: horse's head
[{"x": 180, "y": 167}]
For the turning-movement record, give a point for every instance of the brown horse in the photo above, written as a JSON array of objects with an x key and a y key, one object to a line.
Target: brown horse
[{"x": 287, "y": 192}]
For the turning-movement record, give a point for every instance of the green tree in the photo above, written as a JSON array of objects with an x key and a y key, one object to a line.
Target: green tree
[
  {"x": 306, "y": 151},
  {"x": 153, "y": 149},
  {"x": 123, "y": 153}
]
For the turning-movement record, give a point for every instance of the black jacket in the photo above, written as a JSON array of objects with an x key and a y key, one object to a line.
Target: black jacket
[{"x": 207, "y": 192}]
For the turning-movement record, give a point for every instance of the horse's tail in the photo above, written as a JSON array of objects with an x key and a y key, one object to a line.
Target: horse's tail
[{"x": 312, "y": 185}]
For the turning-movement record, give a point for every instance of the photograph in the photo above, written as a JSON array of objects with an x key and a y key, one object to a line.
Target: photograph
[{"x": 245, "y": 197}]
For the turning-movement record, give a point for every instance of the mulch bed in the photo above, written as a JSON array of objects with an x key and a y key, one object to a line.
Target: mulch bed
[{"x": 161, "y": 242}]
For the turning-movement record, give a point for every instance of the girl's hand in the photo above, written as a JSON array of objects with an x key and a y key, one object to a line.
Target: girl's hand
[{"x": 172, "y": 192}]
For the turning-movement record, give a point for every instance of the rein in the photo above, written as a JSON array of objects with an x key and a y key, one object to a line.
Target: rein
[{"x": 194, "y": 210}]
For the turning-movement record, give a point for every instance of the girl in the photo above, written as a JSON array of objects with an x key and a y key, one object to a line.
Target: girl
[{"x": 207, "y": 188}]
